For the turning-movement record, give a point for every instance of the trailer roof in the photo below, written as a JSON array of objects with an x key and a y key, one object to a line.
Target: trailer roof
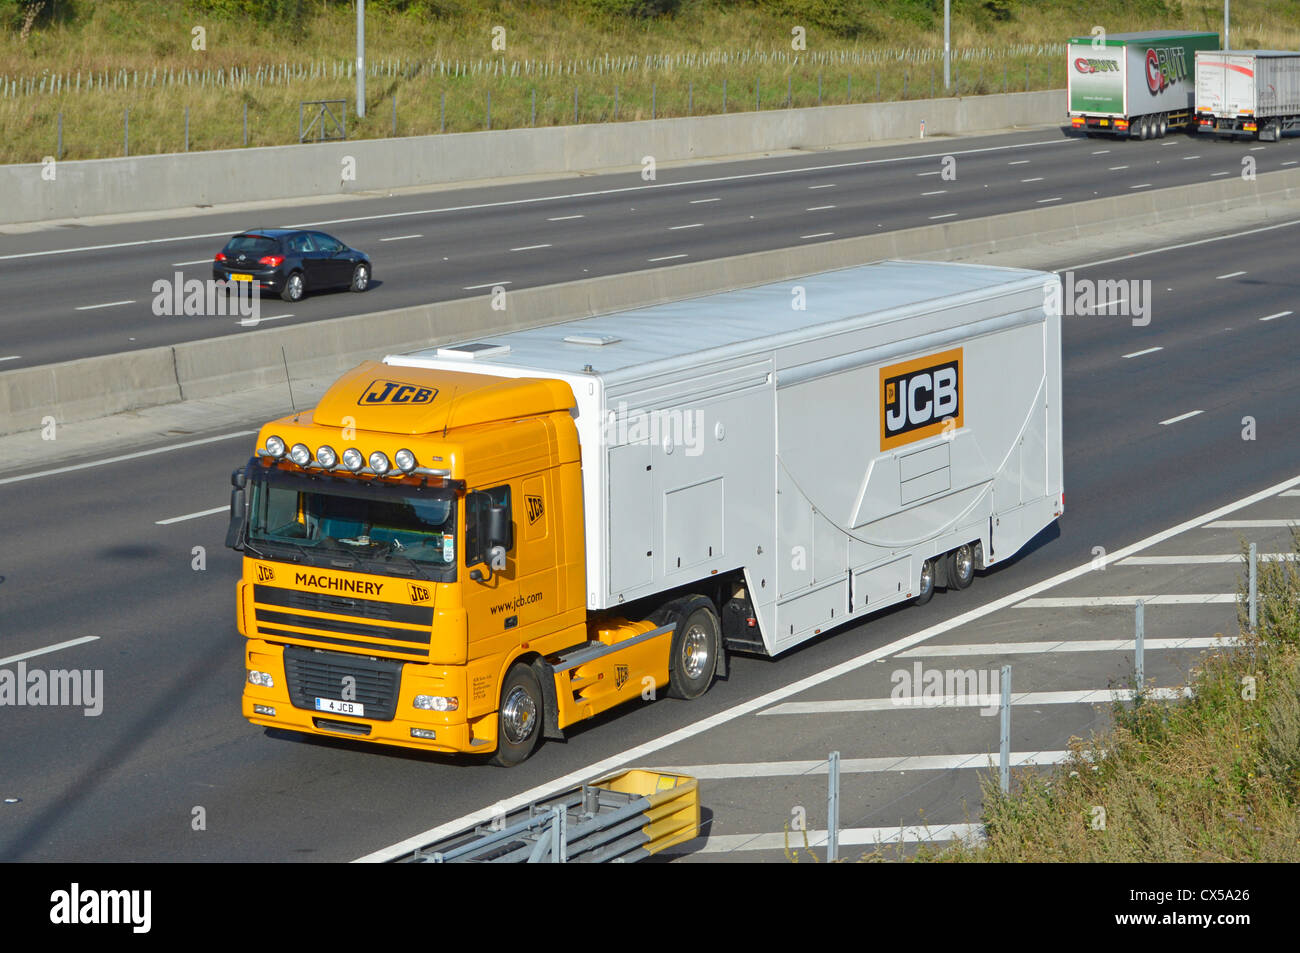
[
  {"x": 750, "y": 319},
  {"x": 1143, "y": 36},
  {"x": 1252, "y": 52}
]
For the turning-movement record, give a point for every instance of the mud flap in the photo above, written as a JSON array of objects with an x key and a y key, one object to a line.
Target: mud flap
[{"x": 551, "y": 729}]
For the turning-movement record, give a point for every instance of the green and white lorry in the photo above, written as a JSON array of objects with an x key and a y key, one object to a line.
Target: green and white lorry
[{"x": 1136, "y": 85}]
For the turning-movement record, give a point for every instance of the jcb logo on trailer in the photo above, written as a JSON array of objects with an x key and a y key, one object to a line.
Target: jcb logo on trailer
[
  {"x": 918, "y": 397},
  {"x": 396, "y": 392}
]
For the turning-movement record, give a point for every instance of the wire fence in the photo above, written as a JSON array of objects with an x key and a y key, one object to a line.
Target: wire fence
[{"x": 286, "y": 73}]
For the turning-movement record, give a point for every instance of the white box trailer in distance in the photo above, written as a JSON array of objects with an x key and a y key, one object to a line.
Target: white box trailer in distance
[
  {"x": 1253, "y": 93},
  {"x": 809, "y": 446}
]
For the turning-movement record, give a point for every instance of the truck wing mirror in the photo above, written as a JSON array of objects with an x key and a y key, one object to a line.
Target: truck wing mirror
[
  {"x": 235, "y": 532},
  {"x": 498, "y": 530}
]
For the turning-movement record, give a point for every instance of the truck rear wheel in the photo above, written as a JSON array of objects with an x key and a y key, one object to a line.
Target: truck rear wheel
[
  {"x": 696, "y": 642},
  {"x": 961, "y": 567},
  {"x": 1164, "y": 124},
  {"x": 519, "y": 719}
]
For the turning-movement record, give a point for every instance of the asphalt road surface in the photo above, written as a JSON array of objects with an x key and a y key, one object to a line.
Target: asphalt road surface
[
  {"x": 122, "y": 555},
  {"x": 78, "y": 291}
]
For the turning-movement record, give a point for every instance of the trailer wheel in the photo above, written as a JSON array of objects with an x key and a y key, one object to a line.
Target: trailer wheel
[
  {"x": 961, "y": 567},
  {"x": 1164, "y": 125},
  {"x": 696, "y": 642},
  {"x": 1144, "y": 128},
  {"x": 926, "y": 585},
  {"x": 519, "y": 719}
]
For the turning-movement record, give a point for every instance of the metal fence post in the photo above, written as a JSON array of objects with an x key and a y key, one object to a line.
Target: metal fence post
[
  {"x": 904, "y": 84},
  {"x": 532, "y": 120},
  {"x": 1254, "y": 588},
  {"x": 58, "y": 152},
  {"x": 245, "y": 123},
  {"x": 394, "y": 114},
  {"x": 489, "y": 109},
  {"x": 758, "y": 94},
  {"x": 1004, "y": 77},
  {"x": 559, "y": 839},
  {"x": 1139, "y": 649},
  {"x": 789, "y": 91},
  {"x": 833, "y": 808},
  {"x": 1026, "y": 77},
  {"x": 616, "y": 100},
  {"x": 724, "y": 96},
  {"x": 819, "y": 89},
  {"x": 126, "y": 131},
  {"x": 654, "y": 104},
  {"x": 690, "y": 99},
  {"x": 932, "y": 82},
  {"x": 849, "y": 94},
  {"x": 187, "y": 127},
  {"x": 442, "y": 112},
  {"x": 877, "y": 84},
  {"x": 1004, "y": 748}
]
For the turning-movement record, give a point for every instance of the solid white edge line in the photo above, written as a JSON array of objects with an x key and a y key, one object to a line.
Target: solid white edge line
[
  {"x": 192, "y": 516},
  {"x": 1084, "y": 602},
  {"x": 605, "y": 765},
  {"x": 993, "y": 649},
  {"x": 1169, "y": 248},
  {"x": 1252, "y": 524},
  {"x": 1085, "y": 696},
  {"x": 921, "y": 762},
  {"x": 1174, "y": 420},
  {"x": 48, "y": 649},
  {"x": 125, "y": 456}
]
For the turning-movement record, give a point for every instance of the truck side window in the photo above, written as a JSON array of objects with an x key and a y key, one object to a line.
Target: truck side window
[{"x": 476, "y": 507}]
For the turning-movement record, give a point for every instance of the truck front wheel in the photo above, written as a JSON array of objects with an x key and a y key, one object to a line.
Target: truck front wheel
[{"x": 519, "y": 720}]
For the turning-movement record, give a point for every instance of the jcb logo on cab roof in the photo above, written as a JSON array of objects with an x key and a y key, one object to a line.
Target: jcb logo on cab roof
[
  {"x": 918, "y": 397},
  {"x": 396, "y": 392}
]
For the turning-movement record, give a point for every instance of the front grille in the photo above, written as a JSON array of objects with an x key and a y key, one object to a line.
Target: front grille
[
  {"x": 342, "y": 605},
  {"x": 313, "y": 674}
]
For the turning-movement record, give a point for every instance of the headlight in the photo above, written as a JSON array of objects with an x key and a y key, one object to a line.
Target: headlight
[
  {"x": 379, "y": 462},
  {"x": 263, "y": 679},
  {"x": 405, "y": 460},
  {"x": 275, "y": 447},
  {"x": 326, "y": 457},
  {"x": 436, "y": 703},
  {"x": 353, "y": 460},
  {"x": 300, "y": 454}
]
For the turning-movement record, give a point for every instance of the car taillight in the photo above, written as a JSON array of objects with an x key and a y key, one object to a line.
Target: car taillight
[
  {"x": 272, "y": 260},
  {"x": 221, "y": 256}
]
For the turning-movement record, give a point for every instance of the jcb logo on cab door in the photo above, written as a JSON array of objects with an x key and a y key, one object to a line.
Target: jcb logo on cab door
[
  {"x": 396, "y": 392},
  {"x": 918, "y": 397},
  {"x": 418, "y": 593}
]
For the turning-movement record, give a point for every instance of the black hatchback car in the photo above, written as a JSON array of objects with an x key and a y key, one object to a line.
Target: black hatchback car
[{"x": 291, "y": 262}]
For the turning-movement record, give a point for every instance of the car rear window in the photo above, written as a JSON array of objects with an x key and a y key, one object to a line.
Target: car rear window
[{"x": 254, "y": 244}]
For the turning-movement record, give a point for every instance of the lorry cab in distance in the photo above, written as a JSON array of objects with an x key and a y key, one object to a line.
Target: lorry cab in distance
[{"x": 469, "y": 548}]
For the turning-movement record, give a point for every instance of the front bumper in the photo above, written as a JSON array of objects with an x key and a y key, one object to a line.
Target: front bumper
[{"x": 453, "y": 731}]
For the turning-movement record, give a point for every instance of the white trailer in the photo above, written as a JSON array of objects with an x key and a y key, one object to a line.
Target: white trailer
[
  {"x": 1254, "y": 93},
  {"x": 819, "y": 448}
]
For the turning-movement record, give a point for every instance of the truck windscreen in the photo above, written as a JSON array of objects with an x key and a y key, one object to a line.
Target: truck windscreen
[{"x": 384, "y": 528}]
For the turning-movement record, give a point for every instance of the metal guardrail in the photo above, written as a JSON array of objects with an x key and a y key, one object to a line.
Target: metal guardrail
[{"x": 620, "y": 819}]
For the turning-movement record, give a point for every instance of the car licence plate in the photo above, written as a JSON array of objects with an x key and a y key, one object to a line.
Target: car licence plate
[
  {"x": 241, "y": 277},
  {"x": 336, "y": 707}
]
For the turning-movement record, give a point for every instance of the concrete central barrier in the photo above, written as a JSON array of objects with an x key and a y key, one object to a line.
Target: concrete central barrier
[
  {"x": 95, "y": 387},
  {"x": 150, "y": 183}
]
